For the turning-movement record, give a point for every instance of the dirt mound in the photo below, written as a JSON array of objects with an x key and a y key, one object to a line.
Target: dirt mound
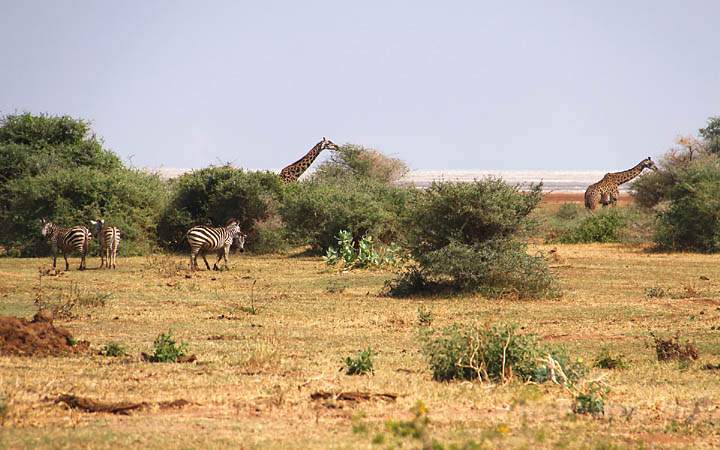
[{"x": 38, "y": 337}]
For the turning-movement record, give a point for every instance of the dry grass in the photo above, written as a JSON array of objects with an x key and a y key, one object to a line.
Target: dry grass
[{"x": 255, "y": 372}]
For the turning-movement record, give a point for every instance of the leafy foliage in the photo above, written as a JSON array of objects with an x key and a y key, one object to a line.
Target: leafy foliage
[
  {"x": 711, "y": 134},
  {"x": 607, "y": 360},
  {"x": 496, "y": 353},
  {"x": 53, "y": 167},
  {"x": 113, "y": 349},
  {"x": 465, "y": 236},
  {"x": 591, "y": 400},
  {"x": 356, "y": 162},
  {"x": 315, "y": 213},
  {"x": 360, "y": 364},
  {"x": 691, "y": 220},
  {"x": 214, "y": 194},
  {"x": 165, "y": 349},
  {"x": 365, "y": 255},
  {"x": 603, "y": 226}
]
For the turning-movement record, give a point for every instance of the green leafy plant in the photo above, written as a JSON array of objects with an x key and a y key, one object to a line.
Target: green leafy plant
[
  {"x": 365, "y": 255},
  {"x": 468, "y": 237},
  {"x": 496, "y": 353},
  {"x": 603, "y": 226},
  {"x": 360, "y": 364},
  {"x": 569, "y": 211},
  {"x": 425, "y": 316},
  {"x": 591, "y": 399},
  {"x": 113, "y": 349},
  {"x": 165, "y": 349}
]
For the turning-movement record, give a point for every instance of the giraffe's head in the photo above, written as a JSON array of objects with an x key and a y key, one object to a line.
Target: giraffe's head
[
  {"x": 648, "y": 163},
  {"x": 326, "y": 144},
  {"x": 46, "y": 227}
]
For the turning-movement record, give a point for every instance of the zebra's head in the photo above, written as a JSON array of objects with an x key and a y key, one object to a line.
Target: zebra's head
[
  {"x": 233, "y": 228},
  {"x": 47, "y": 227},
  {"x": 97, "y": 226},
  {"x": 240, "y": 239}
]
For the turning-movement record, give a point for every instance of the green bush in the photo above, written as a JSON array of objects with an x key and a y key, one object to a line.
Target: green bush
[
  {"x": 496, "y": 353},
  {"x": 315, "y": 213},
  {"x": 691, "y": 221},
  {"x": 360, "y": 364},
  {"x": 356, "y": 162},
  {"x": 465, "y": 236},
  {"x": 165, "y": 349},
  {"x": 366, "y": 254},
  {"x": 591, "y": 400},
  {"x": 214, "y": 194},
  {"x": 55, "y": 168},
  {"x": 603, "y": 226},
  {"x": 569, "y": 211},
  {"x": 113, "y": 349}
]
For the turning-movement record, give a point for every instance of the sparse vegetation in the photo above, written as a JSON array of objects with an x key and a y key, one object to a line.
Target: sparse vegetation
[
  {"x": 655, "y": 292},
  {"x": 360, "y": 364},
  {"x": 498, "y": 354},
  {"x": 673, "y": 349},
  {"x": 113, "y": 349},
  {"x": 365, "y": 255},
  {"x": 591, "y": 399},
  {"x": 603, "y": 226},
  {"x": 425, "y": 316},
  {"x": 608, "y": 360},
  {"x": 165, "y": 349}
]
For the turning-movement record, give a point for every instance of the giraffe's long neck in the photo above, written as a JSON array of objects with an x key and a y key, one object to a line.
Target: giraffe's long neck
[
  {"x": 294, "y": 170},
  {"x": 626, "y": 175}
]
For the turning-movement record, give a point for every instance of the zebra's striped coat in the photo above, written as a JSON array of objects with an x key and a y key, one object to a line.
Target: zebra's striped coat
[
  {"x": 109, "y": 240},
  {"x": 204, "y": 238},
  {"x": 67, "y": 240}
]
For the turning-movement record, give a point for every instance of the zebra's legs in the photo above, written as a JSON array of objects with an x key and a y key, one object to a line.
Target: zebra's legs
[
  {"x": 222, "y": 254},
  {"x": 193, "y": 260},
  {"x": 54, "y": 259},
  {"x": 206, "y": 261},
  {"x": 102, "y": 257},
  {"x": 67, "y": 265},
  {"x": 114, "y": 255}
]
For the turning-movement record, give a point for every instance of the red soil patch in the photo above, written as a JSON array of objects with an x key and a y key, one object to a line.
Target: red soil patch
[{"x": 39, "y": 337}]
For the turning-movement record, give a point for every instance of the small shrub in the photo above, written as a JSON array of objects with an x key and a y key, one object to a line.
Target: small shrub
[
  {"x": 655, "y": 292},
  {"x": 67, "y": 303},
  {"x": 360, "y": 364},
  {"x": 113, "y": 349},
  {"x": 165, "y": 349},
  {"x": 496, "y": 353},
  {"x": 607, "y": 360},
  {"x": 568, "y": 211},
  {"x": 71, "y": 341},
  {"x": 673, "y": 349},
  {"x": 591, "y": 400},
  {"x": 425, "y": 316},
  {"x": 365, "y": 255},
  {"x": 603, "y": 226}
]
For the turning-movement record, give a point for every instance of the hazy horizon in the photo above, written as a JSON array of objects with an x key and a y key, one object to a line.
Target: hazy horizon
[{"x": 462, "y": 85}]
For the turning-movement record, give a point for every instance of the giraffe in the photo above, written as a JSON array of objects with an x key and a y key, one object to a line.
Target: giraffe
[
  {"x": 293, "y": 171},
  {"x": 606, "y": 191}
]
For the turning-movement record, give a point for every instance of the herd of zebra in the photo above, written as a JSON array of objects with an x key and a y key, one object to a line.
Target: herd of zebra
[{"x": 200, "y": 238}]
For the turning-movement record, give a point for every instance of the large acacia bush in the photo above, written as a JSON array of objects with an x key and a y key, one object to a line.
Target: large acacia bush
[
  {"x": 691, "y": 219},
  {"x": 315, "y": 212},
  {"x": 214, "y": 194},
  {"x": 353, "y": 161},
  {"x": 466, "y": 237},
  {"x": 55, "y": 167}
]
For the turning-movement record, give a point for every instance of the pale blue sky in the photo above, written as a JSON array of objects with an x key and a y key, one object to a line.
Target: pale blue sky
[{"x": 443, "y": 85}]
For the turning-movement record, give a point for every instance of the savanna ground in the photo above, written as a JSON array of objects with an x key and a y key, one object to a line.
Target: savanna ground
[{"x": 256, "y": 368}]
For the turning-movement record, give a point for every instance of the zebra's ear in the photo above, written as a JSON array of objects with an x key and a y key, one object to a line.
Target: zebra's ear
[{"x": 93, "y": 222}]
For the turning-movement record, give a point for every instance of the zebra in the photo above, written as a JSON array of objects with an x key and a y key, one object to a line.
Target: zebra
[
  {"x": 203, "y": 238},
  {"x": 67, "y": 240},
  {"x": 109, "y": 239}
]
